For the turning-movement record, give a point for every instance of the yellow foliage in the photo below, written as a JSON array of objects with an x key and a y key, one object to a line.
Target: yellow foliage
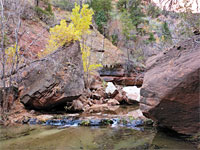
[
  {"x": 82, "y": 20},
  {"x": 94, "y": 66},
  {"x": 10, "y": 53},
  {"x": 63, "y": 33},
  {"x": 88, "y": 68},
  {"x": 66, "y": 33}
]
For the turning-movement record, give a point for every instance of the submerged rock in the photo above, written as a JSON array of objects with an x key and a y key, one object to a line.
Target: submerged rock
[
  {"x": 74, "y": 121},
  {"x": 54, "y": 80},
  {"x": 170, "y": 92}
]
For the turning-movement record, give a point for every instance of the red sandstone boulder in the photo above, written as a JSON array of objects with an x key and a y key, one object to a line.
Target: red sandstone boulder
[
  {"x": 54, "y": 80},
  {"x": 170, "y": 94}
]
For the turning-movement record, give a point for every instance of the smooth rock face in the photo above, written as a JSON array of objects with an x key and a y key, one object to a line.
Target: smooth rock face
[
  {"x": 54, "y": 80},
  {"x": 170, "y": 92},
  {"x": 133, "y": 93}
]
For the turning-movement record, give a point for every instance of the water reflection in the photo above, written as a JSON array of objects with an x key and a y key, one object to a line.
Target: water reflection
[{"x": 78, "y": 138}]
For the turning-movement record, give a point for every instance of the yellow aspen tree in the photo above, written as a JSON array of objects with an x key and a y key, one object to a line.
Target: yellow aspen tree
[
  {"x": 10, "y": 53},
  {"x": 66, "y": 33}
]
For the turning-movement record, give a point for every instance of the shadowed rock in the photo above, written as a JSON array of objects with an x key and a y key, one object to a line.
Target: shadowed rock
[
  {"x": 170, "y": 92},
  {"x": 54, "y": 80}
]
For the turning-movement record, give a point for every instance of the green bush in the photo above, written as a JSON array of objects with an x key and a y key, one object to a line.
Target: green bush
[
  {"x": 102, "y": 9},
  {"x": 46, "y": 16},
  {"x": 134, "y": 10},
  {"x": 153, "y": 11},
  {"x": 101, "y": 20},
  {"x": 151, "y": 37},
  {"x": 64, "y": 4},
  {"x": 40, "y": 11},
  {"x": 136, "y": 13},
  {"x": 49, "y": 9},
  {"x": 101, "y": 5},
  {"x": 166, "y": 32},
  {"x": 114, "y": 39},
  {"x": 122, "y": 5}
]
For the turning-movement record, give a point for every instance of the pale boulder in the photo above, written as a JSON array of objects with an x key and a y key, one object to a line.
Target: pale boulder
[{"x": 133, "y": 93}]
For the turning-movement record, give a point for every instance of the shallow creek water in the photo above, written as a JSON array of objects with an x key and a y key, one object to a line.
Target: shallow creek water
[{"x": 40, "y": 137}]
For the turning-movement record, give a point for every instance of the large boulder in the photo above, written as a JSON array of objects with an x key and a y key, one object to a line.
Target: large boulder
[
  {"x": 170, "y": 94},
  {"x": 54, "y": 80}
]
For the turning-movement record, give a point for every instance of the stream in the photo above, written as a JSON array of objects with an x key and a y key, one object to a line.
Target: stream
[{"x": 52, "y": 137}]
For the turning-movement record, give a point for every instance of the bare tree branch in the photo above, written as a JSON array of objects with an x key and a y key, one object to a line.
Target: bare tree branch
[{"x": 2, "y": 42}]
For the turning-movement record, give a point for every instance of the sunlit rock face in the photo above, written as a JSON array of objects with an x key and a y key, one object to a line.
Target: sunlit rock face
[{"x": 170, "y": 92}]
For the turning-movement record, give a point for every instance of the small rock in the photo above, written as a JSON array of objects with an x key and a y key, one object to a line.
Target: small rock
[
  {"x": 113, "y": 102},
  {"x": 137, "y": 114},
  {"x": 121, "y": 96},
  {"x": 97, "y": 101},
  {"x": 111, "y": 90},
  {"x": 77, "y": 105},
  {"x": 96, "y": 108},
  {"x": 44, "y": 118},
  {"x": 95, "y": 96},
  {"x": 96, "y": 83},
  {"x": 32, "y": 112}
]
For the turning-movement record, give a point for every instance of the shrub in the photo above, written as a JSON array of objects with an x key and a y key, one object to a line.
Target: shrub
[
  {"x": 114, "y": 39},
  {"x": 41, "y": 12},
  {"x": 151, "y": 37},
  {"x": 166, "y": 32},
  {"x": 46, "y": 15},
  {"x": 10, "y": 53},
  {"x": 88, "y": 68},
  {"x": 122, "y": 5},
  {"x": 63, "y": 33},
  {"x": 49, "y": 9},
  {"x": 64, "y": 4},
  {"x": 101, "y": 5},
  {"x": 101, "y": 20},
  {"x": 102, "y": 9},
  {"x": 153, "y": 11},
  {"x": 136, "y": 13}
]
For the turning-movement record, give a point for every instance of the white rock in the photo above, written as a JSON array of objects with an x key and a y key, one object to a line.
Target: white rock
[
  {"x": 110, "y": 88},
  {"x": 132, "y": 92}
]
